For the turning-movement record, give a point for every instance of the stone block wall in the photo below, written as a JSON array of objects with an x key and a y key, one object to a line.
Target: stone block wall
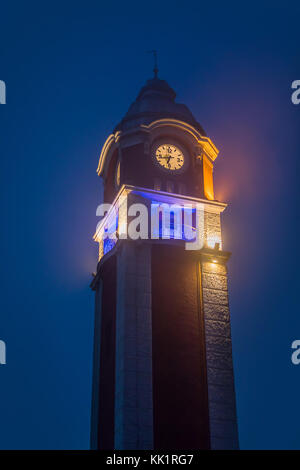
[
  {"x": 212, "y": 228},
  {"x": 221, "y": 393}
]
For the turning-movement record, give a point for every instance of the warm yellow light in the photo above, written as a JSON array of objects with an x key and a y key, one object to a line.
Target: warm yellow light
[
  {"x": 212, "y": 240},
  {"x": 214, "y": 261},
  {"x": 208, "y": 178}
]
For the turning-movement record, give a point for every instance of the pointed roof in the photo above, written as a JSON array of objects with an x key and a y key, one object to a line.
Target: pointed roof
[{"x": 156, "y": 100}]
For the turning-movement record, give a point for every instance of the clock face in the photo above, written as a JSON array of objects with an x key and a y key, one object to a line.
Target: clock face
[{"x": 169, "y": 157}]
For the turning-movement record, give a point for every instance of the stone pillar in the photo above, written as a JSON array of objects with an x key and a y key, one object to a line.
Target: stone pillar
[
  {"x": 133, "y": 386},
  {"x": 221, "y": 393}
]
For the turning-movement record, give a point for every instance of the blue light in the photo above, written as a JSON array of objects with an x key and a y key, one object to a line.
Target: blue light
[
  {"x": 108, "y": 244},
  {"x": 171, "y": 228}
]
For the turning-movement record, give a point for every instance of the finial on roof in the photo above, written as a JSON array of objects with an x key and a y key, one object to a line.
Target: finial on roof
[{"x": 155, "y": 70}]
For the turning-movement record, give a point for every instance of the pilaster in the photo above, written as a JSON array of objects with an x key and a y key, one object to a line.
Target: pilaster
[{"x": 133, "y": 394}]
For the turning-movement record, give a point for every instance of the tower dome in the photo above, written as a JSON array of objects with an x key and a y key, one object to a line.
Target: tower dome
[{"x": 156, "y": 100}]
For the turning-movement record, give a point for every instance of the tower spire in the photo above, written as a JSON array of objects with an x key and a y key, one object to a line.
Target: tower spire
[{"x": 155, "y": 70}]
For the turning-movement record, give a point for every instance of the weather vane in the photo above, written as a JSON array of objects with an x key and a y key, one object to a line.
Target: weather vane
[{"x": 155, "y": 70}]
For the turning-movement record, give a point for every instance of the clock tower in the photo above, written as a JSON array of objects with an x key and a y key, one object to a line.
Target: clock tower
[{"x": 163, "y": 374}]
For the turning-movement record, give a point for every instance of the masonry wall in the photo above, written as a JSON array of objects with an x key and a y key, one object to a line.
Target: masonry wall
[
  {"x": 221, "y": 393},
  {"x": 166, "y": 373}
]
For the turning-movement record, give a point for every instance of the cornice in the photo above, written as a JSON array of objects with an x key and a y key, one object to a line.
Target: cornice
[{"x": 115, "y": 139}]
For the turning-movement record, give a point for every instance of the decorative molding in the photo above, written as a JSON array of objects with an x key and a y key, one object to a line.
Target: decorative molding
[
  {"x": 200, "y": 141},
  {"x": 209, "y": 206}
]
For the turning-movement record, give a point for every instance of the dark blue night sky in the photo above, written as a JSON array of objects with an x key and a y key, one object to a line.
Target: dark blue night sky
[{"x": 72, "y": 69}]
